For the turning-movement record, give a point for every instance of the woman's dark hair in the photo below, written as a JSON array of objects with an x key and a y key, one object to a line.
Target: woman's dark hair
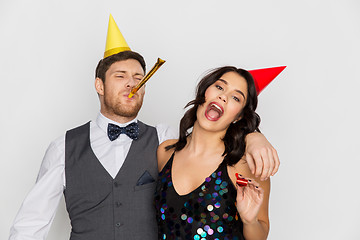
[
  {"x": 234, "y": 138},
  {"x": 104, "y": 64}
]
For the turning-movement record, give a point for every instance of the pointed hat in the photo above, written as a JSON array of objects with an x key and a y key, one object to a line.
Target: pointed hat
[
  {"x": 115, "y": 42},
  {"x": 262, "y": 77}
]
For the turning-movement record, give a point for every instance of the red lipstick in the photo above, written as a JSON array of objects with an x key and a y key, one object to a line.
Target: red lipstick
[{"x": 214, "y": 111}]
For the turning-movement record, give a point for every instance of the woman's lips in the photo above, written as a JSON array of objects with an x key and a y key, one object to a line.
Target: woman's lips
[{"x": 214, "y": 111}]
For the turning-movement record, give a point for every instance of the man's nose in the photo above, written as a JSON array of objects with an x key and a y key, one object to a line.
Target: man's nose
[{"x": 131, "y": 82}]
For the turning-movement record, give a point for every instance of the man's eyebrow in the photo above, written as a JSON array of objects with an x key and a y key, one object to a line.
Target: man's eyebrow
[
  {"x": 119, "y": 71},
  {"x": 236, "y": 90}
]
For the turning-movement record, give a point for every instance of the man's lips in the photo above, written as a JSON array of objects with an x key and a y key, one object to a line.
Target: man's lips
[{"x": 126, "y": 95}]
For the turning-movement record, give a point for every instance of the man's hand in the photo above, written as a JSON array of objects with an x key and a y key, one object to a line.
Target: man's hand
[{"x": 261, "y": 156}]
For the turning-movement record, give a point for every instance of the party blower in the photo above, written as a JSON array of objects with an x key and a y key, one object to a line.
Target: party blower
[
  {"x": 242, "y": 182},
  {"x": 146, "y": 77}
]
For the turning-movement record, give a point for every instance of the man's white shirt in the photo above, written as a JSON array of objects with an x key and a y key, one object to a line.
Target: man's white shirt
[{"x": 38, "y": 210}]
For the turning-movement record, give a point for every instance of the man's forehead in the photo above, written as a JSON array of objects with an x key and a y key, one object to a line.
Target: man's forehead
[{"x": 127, "y": 66}]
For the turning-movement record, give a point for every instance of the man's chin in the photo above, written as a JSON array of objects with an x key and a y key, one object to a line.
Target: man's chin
[
  {"x": 124, "y": 109},
  {"x": 126, "y": 114},
  {"x": 128, "y": 111}
]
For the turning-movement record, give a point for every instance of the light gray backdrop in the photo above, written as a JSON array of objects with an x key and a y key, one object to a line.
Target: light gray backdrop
[{"x": 49, "y": 50}]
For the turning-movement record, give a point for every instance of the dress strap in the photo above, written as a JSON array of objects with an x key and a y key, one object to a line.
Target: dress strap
[
  {"x": 224, "y": 169},
  {"x": 168, "y": 163}
]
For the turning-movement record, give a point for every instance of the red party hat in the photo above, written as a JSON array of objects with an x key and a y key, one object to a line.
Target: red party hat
[{"x": 262, "y": 77}]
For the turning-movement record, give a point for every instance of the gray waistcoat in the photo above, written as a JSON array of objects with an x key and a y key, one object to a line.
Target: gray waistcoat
[{"x": 103, "y": 208}]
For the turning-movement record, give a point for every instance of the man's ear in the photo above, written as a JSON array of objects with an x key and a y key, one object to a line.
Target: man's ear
[{"x": 99, "y": 86}]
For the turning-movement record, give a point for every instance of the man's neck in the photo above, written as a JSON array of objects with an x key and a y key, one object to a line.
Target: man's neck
[{"x": 117, "y": 118}]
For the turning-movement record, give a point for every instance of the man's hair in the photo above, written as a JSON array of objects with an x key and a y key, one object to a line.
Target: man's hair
[{"x": 104, "y": 64}]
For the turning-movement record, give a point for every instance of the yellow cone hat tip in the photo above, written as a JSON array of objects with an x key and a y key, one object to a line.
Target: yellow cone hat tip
[{"x": 115, "y": 41}]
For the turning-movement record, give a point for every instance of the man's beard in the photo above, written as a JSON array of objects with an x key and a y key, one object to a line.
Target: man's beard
[{"x": 123, "y": 110}]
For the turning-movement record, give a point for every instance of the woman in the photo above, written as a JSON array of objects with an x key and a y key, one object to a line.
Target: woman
[{"x": 211, "y": 146}]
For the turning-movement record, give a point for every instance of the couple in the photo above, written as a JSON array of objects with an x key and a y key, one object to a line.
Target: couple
[{"x": 109, "y": 178}]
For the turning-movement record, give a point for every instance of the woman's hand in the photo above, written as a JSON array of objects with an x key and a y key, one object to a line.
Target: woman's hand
[{"x": 248, "y": 201}]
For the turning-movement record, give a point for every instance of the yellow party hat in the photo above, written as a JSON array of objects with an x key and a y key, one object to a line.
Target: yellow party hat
[{"x": 115, "y": 42}]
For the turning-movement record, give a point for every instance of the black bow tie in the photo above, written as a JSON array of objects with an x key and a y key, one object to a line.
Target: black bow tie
[{"x": 132, "y": 130}]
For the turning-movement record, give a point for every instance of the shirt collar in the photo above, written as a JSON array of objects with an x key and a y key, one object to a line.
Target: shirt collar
[{"x": 103, "y": 122}]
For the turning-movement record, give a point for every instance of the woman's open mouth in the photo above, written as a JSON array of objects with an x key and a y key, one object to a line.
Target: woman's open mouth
[{"x": 214, "y": 111}]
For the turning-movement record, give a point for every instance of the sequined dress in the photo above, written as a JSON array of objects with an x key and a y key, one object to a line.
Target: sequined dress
[{"x": 208, "y": 212}]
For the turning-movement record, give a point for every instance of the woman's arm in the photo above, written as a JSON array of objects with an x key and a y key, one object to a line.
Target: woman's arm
[{"x": 252, "y": 203}]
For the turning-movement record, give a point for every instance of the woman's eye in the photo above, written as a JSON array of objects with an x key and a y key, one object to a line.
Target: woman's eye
[
  {"x": 219, "y": 87},
  {"x": 236, "y": 99}
]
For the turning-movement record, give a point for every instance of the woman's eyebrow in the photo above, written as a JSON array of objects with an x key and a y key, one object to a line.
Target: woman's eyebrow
[{"x": 236, "y": 90}]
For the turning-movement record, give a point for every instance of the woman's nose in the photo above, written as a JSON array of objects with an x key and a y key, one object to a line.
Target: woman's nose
[{"x": 223, "y": 97}]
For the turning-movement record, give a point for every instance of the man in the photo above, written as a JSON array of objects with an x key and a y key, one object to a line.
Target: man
[{"x": 108, "y": 178}]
